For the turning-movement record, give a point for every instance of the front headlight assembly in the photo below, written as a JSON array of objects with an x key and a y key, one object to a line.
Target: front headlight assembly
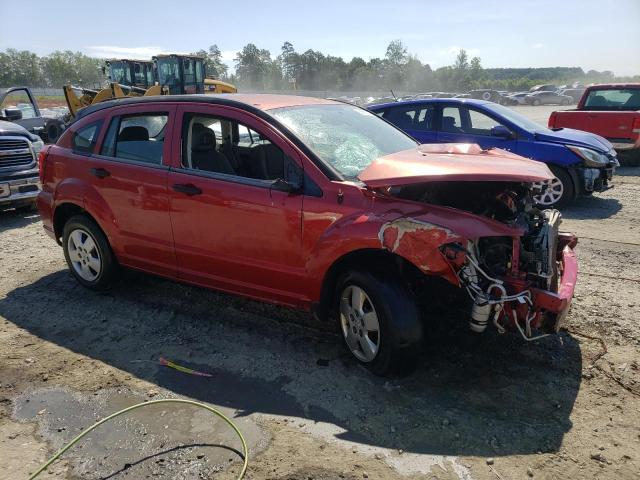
[
  {"x": 591, "y": 158},
  {"x": 37, "y": 146}
]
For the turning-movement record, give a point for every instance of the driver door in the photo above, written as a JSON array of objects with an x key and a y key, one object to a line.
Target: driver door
[{"x": 234, "y": 227}]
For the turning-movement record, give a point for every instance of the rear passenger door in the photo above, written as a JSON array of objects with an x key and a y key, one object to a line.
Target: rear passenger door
[
  {"x": 233, "y": 226},
  {"x": 450, "y": 125},
  {"x": 130, "y": 174}
]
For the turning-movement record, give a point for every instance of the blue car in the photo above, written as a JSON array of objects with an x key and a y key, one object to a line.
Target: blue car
[{"x": 582, "y": 162}]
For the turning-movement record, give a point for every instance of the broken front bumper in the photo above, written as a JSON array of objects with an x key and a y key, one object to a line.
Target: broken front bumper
[
  {"x": 597, "y": 179},
  {"x": 556, "y": 305}
]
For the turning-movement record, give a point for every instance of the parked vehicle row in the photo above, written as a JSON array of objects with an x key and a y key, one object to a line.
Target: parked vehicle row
[
  {"x": 582, "y": 163},
  {"x": 309, "y": 203}
]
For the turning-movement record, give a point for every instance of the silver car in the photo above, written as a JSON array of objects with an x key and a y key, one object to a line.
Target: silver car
[{"x": 547, "y": 98}]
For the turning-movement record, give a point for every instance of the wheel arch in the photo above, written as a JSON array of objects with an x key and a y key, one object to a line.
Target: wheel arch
[
  {"x": 73, "y": 196},
  {"x": 376, "y": 259},
  {"x": 572, "y": 172}
]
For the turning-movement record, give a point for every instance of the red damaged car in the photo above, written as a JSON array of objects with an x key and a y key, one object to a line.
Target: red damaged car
[{"x": 308, "y": 203}]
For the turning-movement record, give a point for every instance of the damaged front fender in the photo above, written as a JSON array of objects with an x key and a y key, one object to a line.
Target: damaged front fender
[{"x": 420, "y": 242}]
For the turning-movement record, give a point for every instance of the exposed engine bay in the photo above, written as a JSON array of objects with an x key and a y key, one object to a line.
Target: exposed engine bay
[{"x": 502, "y": 274}]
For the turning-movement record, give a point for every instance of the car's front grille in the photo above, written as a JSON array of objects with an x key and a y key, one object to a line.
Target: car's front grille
[{"x": 15, "y": 152}]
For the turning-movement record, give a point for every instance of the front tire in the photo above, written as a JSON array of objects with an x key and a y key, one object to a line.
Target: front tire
[
  {"x": 536, "y": 102},
  {"x": 379, "y": 321},
  {"x": 88, "y": 254},
  {"x": 560, "y": 190}
]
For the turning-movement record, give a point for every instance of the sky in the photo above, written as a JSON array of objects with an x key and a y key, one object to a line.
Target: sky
[{"x": 600, "y": 35}]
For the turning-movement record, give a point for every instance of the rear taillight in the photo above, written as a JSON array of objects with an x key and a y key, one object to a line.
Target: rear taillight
[
  {"x": 552, "y": 120},
  {"x": 42, "y": 158},
  {"x": 635, "y": 128}
]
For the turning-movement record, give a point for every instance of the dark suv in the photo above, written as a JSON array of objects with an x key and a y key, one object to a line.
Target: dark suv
[{"x": 19, "y": 149}]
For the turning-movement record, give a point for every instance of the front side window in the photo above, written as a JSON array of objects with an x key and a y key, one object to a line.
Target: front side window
[
  {"x": 84, "y": 139},
  {"x": 20, "y": 100},
  {"x": 217, "y": 144},
  {"x": 189, "y": 70},
  {"x": 168, "y": 71},
  {"x": 139, "y": 138},
  {"x": 346, "y": 137},
  {"x": 480, "y": 124}
]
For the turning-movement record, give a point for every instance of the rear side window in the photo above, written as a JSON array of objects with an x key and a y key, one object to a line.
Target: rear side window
[
  {"x": 451, "y": 120},
  {"x": 139, "y": 138},
  {"x": 84, "y": 139},
  {"x": 613, "y": 99}
]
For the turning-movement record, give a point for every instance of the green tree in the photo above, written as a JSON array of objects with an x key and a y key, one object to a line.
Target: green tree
[
  {"x": 213, "y": 62},
  {"x": 254, "y": 67}
]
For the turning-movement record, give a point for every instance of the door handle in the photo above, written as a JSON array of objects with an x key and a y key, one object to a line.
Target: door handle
[
  {"x": 99, "y": 172},
  {"x": 187, "y": 189}
]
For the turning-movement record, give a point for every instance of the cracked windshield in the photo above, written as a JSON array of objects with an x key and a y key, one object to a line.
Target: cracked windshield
[{"x": 347, "y": 137}]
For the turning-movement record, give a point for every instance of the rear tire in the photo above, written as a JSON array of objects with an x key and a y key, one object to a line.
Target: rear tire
[
  {"x": 53, "y": 129},
  {"x": 535, "y": 103},
  {"x": 88, "y": 254},
  {"x": 379, "y": 321}
]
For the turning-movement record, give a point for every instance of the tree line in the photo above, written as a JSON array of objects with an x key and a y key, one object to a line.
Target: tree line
[{"x": 257, "y": 69}]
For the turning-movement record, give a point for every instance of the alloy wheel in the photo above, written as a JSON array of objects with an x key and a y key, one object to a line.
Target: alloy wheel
[
  {"x": 84, "y": 255},
  {"x": 552, "y": 194},
  {"x": 359, "y": 322}
]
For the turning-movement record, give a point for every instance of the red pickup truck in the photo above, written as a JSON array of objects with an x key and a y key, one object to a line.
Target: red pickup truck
[{"x": 611, "y": 111}]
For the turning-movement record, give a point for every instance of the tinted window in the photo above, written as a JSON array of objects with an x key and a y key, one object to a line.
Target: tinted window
[
  {"x": 451, "y": 120},
  {"x": 84, "y": 139},
  {"x": 220, "y": 145},
  {"x": 136, "y": 137},
  {"x": 411, "y": 117}
]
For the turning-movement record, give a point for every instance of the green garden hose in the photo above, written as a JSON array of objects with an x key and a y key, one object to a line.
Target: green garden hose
[{"x": 245, "y": 451}]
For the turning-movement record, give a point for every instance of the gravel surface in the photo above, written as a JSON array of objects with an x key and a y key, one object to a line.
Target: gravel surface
[{"x": 478, "y": 407}]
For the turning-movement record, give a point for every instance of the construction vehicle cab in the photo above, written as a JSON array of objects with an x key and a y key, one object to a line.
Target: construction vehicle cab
[
  {"x": 180, "y": 74},
  {"x": 131, "y": 73}
]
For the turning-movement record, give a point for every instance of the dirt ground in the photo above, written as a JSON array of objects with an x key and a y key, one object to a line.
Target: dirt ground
[{"x": 478, "y": 407}]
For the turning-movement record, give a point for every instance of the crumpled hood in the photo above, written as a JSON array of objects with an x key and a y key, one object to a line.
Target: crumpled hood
[
  {"x": 569, "y": 136},
  {"x": 463, "y": 162}
]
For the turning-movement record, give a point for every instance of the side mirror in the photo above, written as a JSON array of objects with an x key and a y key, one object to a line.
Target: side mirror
[
  {"x": 12, "y": 114},
  {"x": 501, "y": 131}
]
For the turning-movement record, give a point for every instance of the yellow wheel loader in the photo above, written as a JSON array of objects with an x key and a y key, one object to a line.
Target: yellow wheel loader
[
  {"x": 170, "y": 74},
  {"x": 213, "y": 85},
  {"x": 88, "y": 97}
]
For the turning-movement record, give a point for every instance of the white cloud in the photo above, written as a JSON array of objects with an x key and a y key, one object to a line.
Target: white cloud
[
  {"x": 538, "y": 45},
  {"x": 229, "y": 55},
  {"x": 110, "y": 51},
  {"x": 453, "y": 50}
]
